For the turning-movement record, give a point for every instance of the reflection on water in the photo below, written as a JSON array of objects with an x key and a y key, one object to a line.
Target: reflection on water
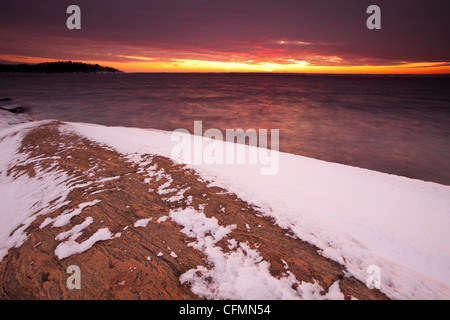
[{"x": 397, "y": 125}]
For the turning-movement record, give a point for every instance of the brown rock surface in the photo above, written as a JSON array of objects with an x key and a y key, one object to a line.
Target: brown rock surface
[{"x": 130, "y": 266}]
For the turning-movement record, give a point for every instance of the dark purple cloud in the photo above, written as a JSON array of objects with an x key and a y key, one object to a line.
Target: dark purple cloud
[{"x": 243, "y": 30}]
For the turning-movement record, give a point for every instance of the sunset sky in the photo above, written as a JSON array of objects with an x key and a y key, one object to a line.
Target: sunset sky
[{"x": 327, "y": 36}]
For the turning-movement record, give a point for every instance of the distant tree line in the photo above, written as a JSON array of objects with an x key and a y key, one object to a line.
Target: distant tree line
[{"x": 57, "y": 67}]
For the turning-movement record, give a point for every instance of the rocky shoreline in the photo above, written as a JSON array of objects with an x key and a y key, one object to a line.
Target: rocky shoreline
[{"x": 148, "y": 250}]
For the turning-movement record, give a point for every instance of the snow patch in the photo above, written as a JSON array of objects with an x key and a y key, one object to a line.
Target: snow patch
[
  {"x": 70, "y": 247},
  {"x": 142, "y": 222},
  {"x": 162, "y": 219},
  {"x": 240, "y": 274}
]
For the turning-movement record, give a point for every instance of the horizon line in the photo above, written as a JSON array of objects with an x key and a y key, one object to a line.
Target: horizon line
[{"x": 441, "y": 71}]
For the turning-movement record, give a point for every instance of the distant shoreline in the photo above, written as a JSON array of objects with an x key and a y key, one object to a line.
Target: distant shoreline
[{"x": 57, "y": 67}]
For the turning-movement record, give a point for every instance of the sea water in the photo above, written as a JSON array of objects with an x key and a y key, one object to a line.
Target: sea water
[{"x": 393, "y": 124}]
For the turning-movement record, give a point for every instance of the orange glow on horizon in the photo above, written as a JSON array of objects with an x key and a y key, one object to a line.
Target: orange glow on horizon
[{"x": 189, "y": 65}]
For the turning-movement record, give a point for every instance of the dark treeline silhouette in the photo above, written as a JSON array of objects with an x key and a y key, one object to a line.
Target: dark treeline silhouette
[{"x": 57, "y": 67}]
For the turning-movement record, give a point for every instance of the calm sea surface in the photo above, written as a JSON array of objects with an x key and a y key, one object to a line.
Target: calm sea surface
[{"x": 398, "y": 125}]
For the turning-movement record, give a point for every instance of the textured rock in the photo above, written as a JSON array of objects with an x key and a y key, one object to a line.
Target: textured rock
[{"x": 140, "y": 262}]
